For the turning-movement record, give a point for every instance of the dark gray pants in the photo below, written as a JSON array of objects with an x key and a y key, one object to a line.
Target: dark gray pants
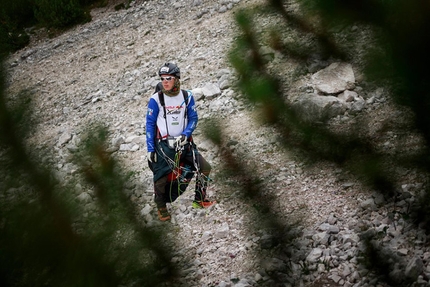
[{"x": 168, "y": 189}]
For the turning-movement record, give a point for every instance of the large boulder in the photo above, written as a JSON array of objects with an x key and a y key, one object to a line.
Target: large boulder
[
  {"x": 334, "y": 79},
  {"x": 211, "y": 90},
  {"x": 315, "y": 108}
]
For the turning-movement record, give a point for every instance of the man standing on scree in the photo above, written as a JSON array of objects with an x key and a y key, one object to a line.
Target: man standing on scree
[{"x": 169, "y": 128}]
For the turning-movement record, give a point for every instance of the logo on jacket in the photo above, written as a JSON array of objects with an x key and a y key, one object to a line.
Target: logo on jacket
[{"x": 173, "y": 112}]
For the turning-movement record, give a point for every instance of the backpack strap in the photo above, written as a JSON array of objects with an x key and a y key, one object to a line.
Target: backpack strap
[
  {"x": 185, "y": 95},
  {"x": 162, "y": 103}
]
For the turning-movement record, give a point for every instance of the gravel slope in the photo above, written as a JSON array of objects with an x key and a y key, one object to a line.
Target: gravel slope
[{"x": 105, "y": 71}]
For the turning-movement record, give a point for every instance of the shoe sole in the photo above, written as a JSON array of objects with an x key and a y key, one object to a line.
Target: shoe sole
[{"x": 165, "y": 218}]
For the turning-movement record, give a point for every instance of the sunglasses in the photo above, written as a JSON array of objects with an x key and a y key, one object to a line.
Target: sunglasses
[{"x": 166, "y": 78}]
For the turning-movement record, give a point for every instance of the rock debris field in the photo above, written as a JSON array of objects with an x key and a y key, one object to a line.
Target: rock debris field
[{"x": 105, "y": 71}]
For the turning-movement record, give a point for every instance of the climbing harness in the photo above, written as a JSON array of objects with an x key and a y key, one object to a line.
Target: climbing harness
[{"x": 182, "y": 174}]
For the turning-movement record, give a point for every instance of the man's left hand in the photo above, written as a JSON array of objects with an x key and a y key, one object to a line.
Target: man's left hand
[{"x": 181, "y": 140}]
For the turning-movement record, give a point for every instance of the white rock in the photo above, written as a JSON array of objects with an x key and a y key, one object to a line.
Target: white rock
[
  {"x": 84, "y": 197},
  {"x": 335, "y": 78},
  {"x": 314, "y": 255}
]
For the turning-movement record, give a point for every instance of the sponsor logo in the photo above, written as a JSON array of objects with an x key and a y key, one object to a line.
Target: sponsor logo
[
  {"x": 164, "y": 69},
  {"x": 173, "y": 112}
]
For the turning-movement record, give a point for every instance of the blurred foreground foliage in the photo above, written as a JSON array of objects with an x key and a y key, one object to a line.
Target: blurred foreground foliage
[
  {"x": 47, "y": 236},
  {"x": 396, "y": 58},
  {"x": 394, "y": 55}
]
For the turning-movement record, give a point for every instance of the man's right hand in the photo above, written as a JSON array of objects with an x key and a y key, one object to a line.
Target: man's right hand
[{"x": 152, "y": 156}]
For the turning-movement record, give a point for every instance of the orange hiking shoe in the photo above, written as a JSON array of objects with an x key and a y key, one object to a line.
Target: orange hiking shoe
[
  {"x": 163, "y": 214},
  {"x": 203, "y": 204}
]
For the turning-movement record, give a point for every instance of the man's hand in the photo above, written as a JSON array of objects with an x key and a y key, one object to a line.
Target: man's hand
[
  {"x": 152, "y": 156},
  {"x": 181, "y": 140}
]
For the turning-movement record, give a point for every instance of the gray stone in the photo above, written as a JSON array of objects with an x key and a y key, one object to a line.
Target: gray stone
[
  {"x": 211, "y": 90},
  {"x": 334, "y": 79},
  {"x": 333, "y": 229},
  {"x": 314, "y": 255},
  {"x": 357, "y": 106},
  {"x": 223, "y": 231},
  {"x": 315, "y": 108},
  {"x": 414, "y": 268},
  {"x": 64, "y": 138},
  {"x": 332, "y": 219},
  {"x": 117, "y": 141},
  {"x": 84, "y": 197},
  {"x": 147, "y": 209},
  {"x": 336, "y": 278},
  {"x": 273, "y": 264},
  {"x": 321, "y": 238},
  {"x": 347, "y": 96},
  {"x": 368, "y": 204},
  {"x": 350, "y": 238}
]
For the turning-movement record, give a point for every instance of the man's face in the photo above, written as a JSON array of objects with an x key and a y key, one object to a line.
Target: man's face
[{"x": 168, "y": 81}]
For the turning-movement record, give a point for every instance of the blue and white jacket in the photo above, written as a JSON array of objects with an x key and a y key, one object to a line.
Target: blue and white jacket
[{"x": 175, "y": 123}]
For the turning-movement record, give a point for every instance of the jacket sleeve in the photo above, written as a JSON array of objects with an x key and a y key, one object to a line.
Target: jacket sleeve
[
  {"x": 151, "y": 124},
  {"x": 192, "y": 116}
]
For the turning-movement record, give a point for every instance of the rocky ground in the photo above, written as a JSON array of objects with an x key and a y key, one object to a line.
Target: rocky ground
[{"x": 105, "y": 71}]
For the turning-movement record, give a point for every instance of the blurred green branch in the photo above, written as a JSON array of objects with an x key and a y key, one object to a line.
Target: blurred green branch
[{"x": 45, "y": 236}]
